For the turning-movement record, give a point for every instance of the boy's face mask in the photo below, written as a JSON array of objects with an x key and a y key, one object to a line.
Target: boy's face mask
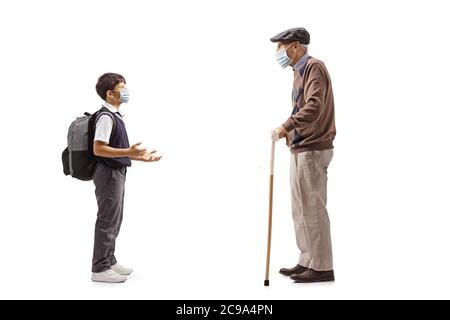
[{"x": 124, "y": 95}]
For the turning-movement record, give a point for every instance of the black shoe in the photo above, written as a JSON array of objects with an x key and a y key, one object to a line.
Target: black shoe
[
  {"x": 310, "y": 276},
  {"x": 298, "y": 269}
]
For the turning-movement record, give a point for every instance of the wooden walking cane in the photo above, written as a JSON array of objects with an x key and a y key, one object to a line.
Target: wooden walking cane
[{"x": 269, "y": 232}]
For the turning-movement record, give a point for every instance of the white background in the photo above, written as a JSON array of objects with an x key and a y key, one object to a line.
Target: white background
[{"x": 205, "y": 92}]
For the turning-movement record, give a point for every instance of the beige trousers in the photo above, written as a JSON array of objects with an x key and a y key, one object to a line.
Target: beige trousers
[{"x": 309, "y": 200}]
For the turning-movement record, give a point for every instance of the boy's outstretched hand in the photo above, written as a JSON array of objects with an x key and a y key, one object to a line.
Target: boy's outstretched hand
[
  {"x": 150, "y": 156},
  {"x": 136, "y": 151}
]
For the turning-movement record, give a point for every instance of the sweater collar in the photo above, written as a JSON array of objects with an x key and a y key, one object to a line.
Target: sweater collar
[{"x": 301, "y": 62}]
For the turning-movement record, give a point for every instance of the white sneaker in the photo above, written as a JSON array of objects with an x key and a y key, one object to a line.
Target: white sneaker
[
  {"x": 121, "y": 269},
  {"x": 108, "y": 276}
]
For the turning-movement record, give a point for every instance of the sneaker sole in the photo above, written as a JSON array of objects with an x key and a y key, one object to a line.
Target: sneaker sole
[
  {"x": 105, "y": 281},
  {"x": 125, "y": 274}
]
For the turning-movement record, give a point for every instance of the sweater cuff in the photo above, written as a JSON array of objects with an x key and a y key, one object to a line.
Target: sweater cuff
[{"x": 288, "y": 125}]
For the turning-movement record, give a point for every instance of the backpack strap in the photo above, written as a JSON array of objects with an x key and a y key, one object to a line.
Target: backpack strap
[{"x": 104, "y": 111}]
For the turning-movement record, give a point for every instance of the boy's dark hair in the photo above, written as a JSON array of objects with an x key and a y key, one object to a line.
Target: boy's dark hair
[{"x": 107, "y": 82}]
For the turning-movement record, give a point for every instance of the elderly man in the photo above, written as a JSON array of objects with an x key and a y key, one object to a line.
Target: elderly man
[{"x": 309, "y": 132}]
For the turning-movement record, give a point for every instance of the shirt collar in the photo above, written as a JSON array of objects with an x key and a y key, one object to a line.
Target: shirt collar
[
  {"x": 111, "y": 108},
  {"x": 301, "y": 62}
]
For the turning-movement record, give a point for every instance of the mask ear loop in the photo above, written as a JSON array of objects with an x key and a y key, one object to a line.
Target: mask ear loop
[
  {"x": 295, "y": 52},
  {"x": 110, "y": 93},
  {"x": 286, "y": 49}
]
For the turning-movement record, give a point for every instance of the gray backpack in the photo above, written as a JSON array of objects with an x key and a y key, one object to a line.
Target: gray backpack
[{"x": 78, "y": 158}]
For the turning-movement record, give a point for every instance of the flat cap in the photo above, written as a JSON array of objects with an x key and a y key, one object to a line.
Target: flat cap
[{"x": 291, "y": 35}]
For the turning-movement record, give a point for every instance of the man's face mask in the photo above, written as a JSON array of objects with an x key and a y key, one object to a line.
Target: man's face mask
[{"x": 282, "y": 57}]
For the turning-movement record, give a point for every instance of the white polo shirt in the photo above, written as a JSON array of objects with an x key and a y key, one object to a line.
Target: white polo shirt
[{"x": 105, "y": 124}]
